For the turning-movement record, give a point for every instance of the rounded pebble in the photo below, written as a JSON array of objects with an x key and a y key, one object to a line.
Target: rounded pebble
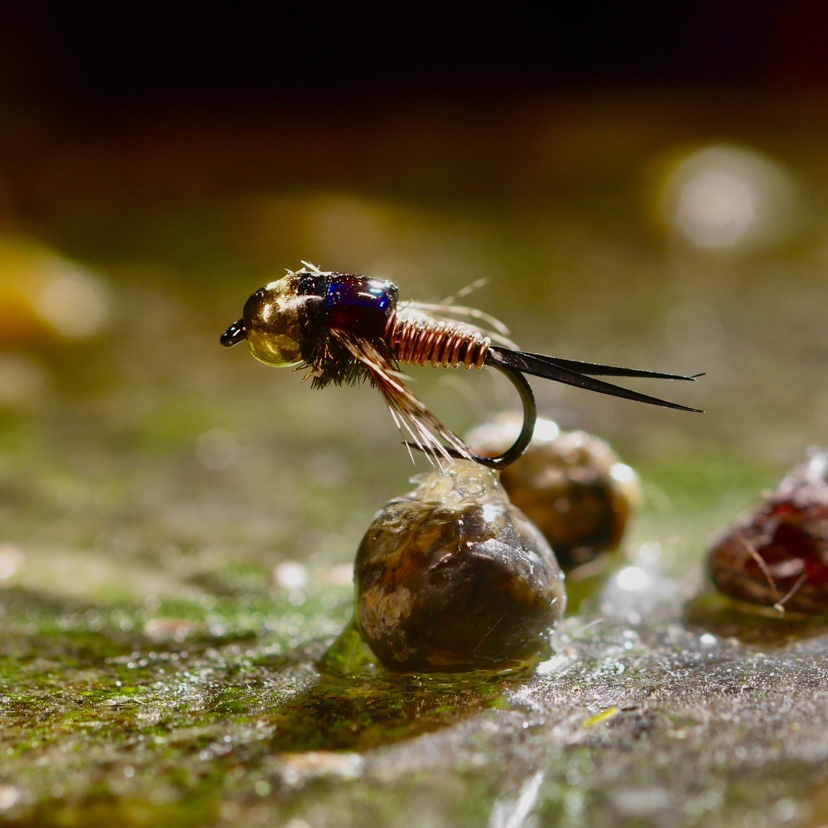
[
  {"x": 453, "y": 577},
  {"x": 570, "y": 484}
]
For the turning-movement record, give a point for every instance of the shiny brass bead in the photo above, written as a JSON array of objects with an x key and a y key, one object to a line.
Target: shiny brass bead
[{"x": 272, "y": 319}]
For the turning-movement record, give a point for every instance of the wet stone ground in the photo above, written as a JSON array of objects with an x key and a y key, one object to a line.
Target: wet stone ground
[
  {"x": 655, "y": 722},
  {"x": 178, "y": 523}
]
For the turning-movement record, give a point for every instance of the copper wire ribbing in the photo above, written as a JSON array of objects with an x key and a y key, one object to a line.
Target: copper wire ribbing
[{"x": 417, "y": 339}]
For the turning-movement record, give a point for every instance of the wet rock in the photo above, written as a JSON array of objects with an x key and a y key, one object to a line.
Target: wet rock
[
  {"x": 453, "y": 577},
  {"x": 571, "y": 485}
]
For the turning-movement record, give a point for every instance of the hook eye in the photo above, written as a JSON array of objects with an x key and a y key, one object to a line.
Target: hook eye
[{"x": 234, "y": 334}]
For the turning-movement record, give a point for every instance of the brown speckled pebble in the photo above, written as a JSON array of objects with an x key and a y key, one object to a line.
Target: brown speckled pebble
[
  {"x": 571, "y": 485},
  {"x": 453, "y": 577}
]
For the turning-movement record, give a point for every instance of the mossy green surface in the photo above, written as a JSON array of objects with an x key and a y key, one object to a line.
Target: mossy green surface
[{"x": 177, "y": 522}]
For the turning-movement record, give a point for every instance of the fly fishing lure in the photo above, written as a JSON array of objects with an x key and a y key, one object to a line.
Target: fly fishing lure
[{"x": 347, "y": 328}]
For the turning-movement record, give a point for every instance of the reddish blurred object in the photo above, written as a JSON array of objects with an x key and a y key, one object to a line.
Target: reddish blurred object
[{"x": 777, "y": 555}]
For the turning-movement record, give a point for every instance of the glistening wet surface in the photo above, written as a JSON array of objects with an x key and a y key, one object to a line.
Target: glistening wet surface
[{"x": 179, "y": 522}]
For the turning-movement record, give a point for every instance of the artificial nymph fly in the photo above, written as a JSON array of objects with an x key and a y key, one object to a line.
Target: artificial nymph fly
[{"x": 346, "y": 328}]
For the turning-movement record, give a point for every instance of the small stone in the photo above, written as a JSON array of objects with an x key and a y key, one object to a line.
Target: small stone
[
  {"x": 570, "y": 484},
  {"x": 453, "y": 577}
]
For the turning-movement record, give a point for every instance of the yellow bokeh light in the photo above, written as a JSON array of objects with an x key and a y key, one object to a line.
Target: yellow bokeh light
[{"x": 724, "y": 197}]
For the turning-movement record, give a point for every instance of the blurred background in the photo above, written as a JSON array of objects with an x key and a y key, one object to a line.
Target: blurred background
[{"x": 640, "y": 186}]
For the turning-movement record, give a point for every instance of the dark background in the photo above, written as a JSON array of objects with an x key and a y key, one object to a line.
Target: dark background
[{"x": 114, "y": 55}]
